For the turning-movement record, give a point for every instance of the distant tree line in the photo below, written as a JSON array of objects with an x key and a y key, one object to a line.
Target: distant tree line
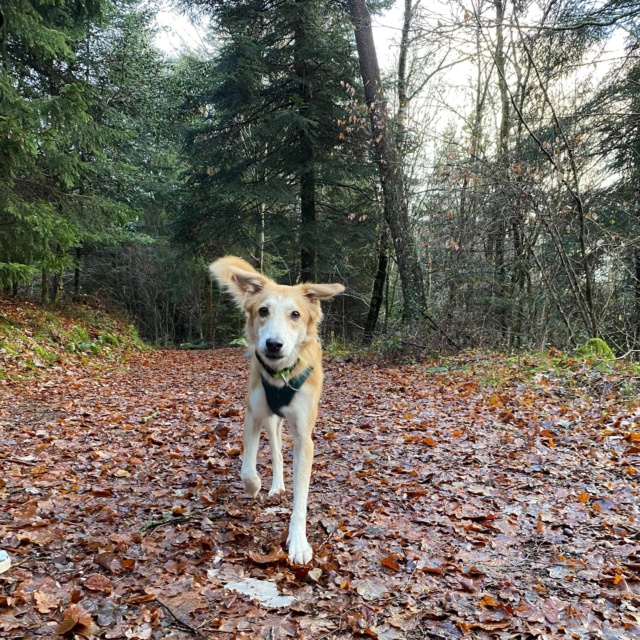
[{"x": 503, "y": 212}]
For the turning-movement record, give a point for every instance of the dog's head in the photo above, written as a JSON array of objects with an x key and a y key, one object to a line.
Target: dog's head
[{"x": 280, "y": 319}]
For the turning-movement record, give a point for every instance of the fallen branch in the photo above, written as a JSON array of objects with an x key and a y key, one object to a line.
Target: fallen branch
[
  {"x": 26, "y": 463},
  {"x": 187, "y": 627},
  {"x": 152, "y": 524},
  {"x": 440, "y": 330},
  {"x": 158, "y": 523}
]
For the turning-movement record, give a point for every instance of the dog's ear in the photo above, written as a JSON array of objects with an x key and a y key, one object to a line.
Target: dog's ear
[
  {"x": 238, "y": 277},
  {"x": 321, "y": 291}
]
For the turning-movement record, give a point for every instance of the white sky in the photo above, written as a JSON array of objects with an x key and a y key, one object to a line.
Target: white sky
[
  {"x": 178, "y": 33},
  {"x": 449, "y": 95}
]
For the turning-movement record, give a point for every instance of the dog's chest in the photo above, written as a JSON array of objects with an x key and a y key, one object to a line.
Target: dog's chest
[
  {"x": 278, "y": 397},
  {"x": 266, "y": 401}
]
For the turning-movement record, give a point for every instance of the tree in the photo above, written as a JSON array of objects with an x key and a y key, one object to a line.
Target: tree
[
  {"x": 389, "y": 166},
  {"x": 275, "y": 145},
  {"x": 58, "y": 139}
]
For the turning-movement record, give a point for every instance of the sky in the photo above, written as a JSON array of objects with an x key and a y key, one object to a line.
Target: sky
[
  {"x": 448, "y": 97},
  {"x": 178, "y": 33}
]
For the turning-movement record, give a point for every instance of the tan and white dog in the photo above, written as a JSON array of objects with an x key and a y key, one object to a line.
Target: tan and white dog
[{"x": 285, "y": 380}]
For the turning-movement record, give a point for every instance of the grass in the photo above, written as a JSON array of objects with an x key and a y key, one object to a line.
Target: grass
[{"x": 34, "y": 339}]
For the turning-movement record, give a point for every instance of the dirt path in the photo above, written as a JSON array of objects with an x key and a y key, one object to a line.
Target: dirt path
[{"x": 445, "y": 503}]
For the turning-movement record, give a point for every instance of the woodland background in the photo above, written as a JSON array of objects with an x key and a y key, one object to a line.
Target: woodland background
[{"x": 483, "y": 193}]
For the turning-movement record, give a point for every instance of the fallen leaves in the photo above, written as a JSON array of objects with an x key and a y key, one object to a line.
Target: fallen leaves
[
  {"x": 442, "y": 503},
  {"x": 45, "y": 602},
  {"x": 276, "y": 555},
  {"x": 77, "y": 619},
  {"x": 98, "y": 582}
]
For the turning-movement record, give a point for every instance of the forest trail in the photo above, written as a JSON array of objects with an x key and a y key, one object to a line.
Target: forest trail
[{"x": 479, "y": 498}]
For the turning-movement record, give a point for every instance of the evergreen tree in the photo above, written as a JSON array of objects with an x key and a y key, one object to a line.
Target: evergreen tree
[
  {"x": 277, "y": 151},
  {"x": 46, "y": 133},
  {"x": 79, "y": 104}
]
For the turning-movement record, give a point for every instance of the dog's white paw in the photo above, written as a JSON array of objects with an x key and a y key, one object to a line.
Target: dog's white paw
[
  {"x": 299, "y": 550},
  {"x": 252, "y": 484},
  {"x": 277, "y": 490}
]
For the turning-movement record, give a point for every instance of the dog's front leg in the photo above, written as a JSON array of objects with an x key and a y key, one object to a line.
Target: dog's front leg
[
  {"x": 299, "y": 550},
  {"x": 273, "y": 427},
  {"x": 251, "y": 438}
]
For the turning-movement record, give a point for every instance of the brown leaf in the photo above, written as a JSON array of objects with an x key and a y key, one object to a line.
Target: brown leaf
[
  {"x": 273, "y": 556},
  {"x": 371, "y": 588},
  {"x": 489, "y": 601},
  {"x": 109, "y": 561},
  {"x": 101, "y": 492},
  {"x": 45, "y": 602},
  {"x": 98, "y": 582},
  {"x": 145, "y": 597},
  {"x": 74, "y": 616},
  {"x": 391, "y": 562},
  {"x": 41, "y": 537}
]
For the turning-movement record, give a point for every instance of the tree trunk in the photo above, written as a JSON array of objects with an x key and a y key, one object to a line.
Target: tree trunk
[
  {"x": 378, "y": 288},
  {"x": 58, "y": 287},
  {"x": 636, "y": 252},
  {"x": 503, "y": 139},
  {"x": 308, "y": 266},
  {"x": 44, "y": 292},
  {"x": 395, "y": 202},
  {"x": 308, "y": 260},
  {"x": 500, "y": 230},
  {"x": 261, "y": 208},
  {"x": 403, "y": 99},
  {"x": 76, "y": 273}
]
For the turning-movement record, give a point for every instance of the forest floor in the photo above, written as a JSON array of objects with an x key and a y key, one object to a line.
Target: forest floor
[{"x": 478, "y": 497}]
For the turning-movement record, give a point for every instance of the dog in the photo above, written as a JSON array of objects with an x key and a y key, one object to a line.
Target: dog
[{"x": 285, "y": 381}]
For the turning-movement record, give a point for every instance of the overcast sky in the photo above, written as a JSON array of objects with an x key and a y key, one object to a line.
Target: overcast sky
[{"x": 179, "y": 33}]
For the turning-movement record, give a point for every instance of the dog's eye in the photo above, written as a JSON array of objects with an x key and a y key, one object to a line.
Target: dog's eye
[
  {"x": 263, "y": 312},
  {"x": 295, "y": 314}
]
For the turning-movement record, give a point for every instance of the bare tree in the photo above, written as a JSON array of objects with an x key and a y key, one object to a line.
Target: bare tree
[{"x": 389, "y": 165}]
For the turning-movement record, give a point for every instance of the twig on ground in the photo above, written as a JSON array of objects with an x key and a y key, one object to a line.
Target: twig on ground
[
  {"x": 326, "y": 539},
  {"x": 406, "y": 586},
  {"x": 187, "y": 627},
  {"x": 436, "y": 636},
  {"x": 26, "y": 463},
  {"x": 158, "y": 523}
]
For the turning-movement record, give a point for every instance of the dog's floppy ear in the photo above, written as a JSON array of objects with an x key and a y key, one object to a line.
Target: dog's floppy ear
[
  {"x": 238, "y": 277},
  {"x": 321, "y": 291}
]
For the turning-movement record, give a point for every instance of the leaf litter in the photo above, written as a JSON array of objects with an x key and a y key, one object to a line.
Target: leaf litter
[{"x": 446, "y": 502}]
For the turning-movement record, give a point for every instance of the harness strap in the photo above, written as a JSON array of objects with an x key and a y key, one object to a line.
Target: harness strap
[{"x": 279, "y": 397}]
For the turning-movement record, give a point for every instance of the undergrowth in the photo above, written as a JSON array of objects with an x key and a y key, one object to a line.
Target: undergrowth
[{"x": 36, "y": 339}]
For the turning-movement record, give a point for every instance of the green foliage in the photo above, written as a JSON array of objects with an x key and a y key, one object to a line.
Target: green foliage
[
  {"x": 82, "y": 108},
  {"x": 596, "y": 349},
  {"x": 33, "y": 339},
  {"x": 49, "y": 139},
  {"x": 273, "y": 105}
]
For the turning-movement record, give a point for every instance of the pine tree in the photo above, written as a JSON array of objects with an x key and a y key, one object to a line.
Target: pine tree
[
  {"x": 277, "y": 150},
  {"x": 73, "y": 115},
  {"x": 43, "y": 126}
]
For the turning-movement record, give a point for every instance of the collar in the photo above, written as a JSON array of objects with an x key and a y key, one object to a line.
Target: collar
[{"x": 282, "y": 373}]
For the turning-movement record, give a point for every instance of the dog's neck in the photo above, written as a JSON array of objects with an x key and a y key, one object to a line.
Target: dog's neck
[{"x": 275, "y": 373}]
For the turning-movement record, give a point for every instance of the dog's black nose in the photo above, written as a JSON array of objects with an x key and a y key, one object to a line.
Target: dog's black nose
[{"x": 273, "y": 346}]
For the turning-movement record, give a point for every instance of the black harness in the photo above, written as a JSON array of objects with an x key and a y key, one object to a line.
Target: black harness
[{"x": 279, "y": 397}]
